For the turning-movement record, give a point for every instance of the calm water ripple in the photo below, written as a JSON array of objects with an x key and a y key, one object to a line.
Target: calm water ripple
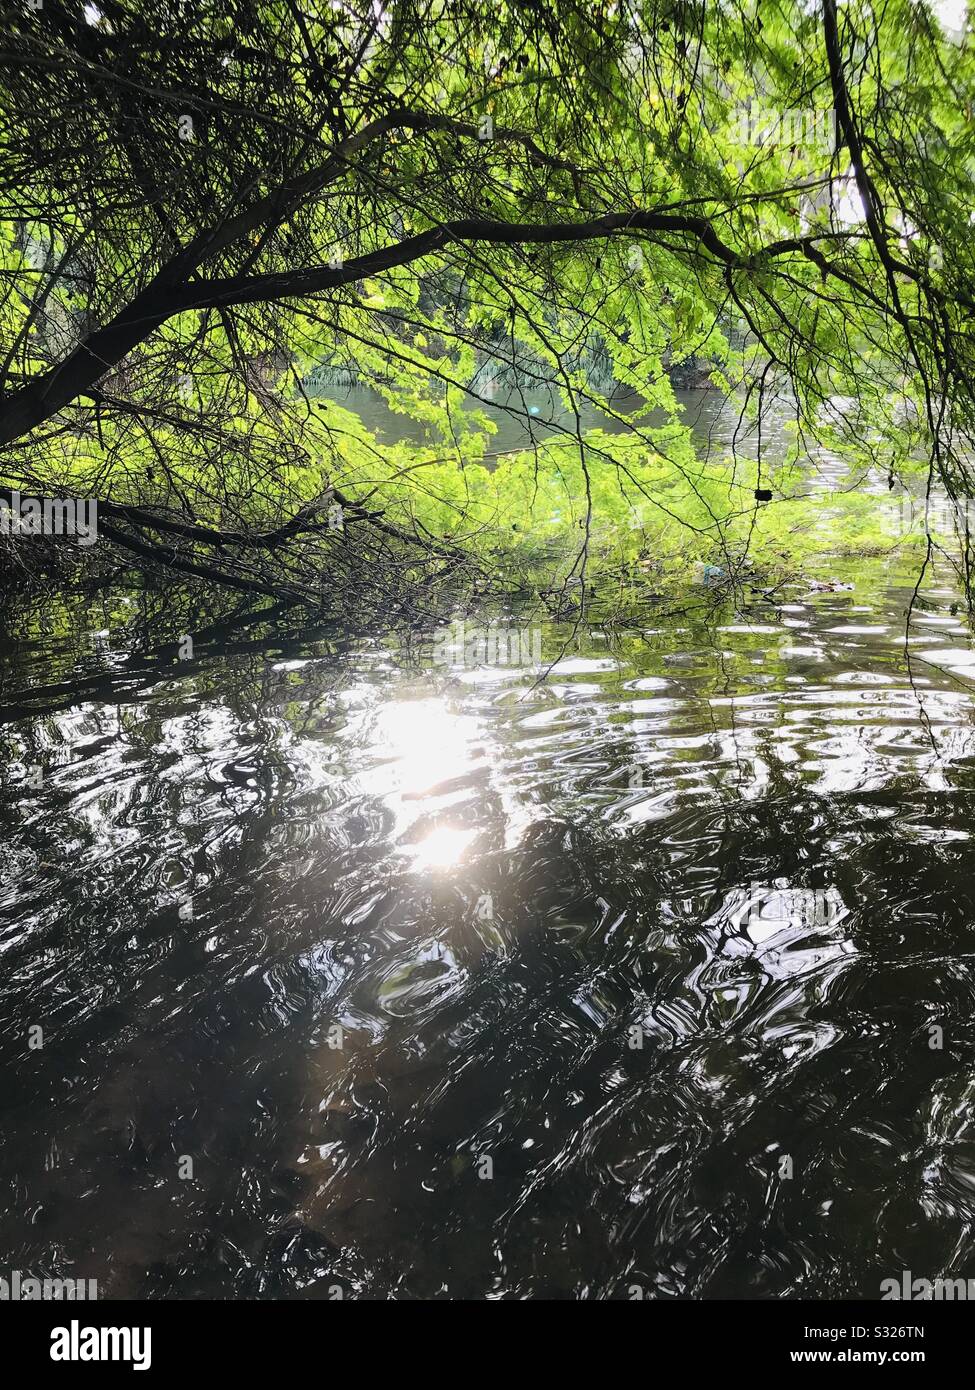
[{"x": 447, "y": 985}]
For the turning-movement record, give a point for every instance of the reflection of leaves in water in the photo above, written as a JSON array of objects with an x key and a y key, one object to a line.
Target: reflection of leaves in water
[{"x": 803, "y": 1031}]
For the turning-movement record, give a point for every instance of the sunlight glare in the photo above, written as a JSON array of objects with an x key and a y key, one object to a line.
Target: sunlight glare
[{"x": 443, "y": 848}]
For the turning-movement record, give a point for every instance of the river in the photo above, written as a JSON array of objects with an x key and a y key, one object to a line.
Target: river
[{"x": 328, "y": 972}]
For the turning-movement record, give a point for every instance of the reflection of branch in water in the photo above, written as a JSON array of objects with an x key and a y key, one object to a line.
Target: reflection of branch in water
[{"x": 126, "y": 682}]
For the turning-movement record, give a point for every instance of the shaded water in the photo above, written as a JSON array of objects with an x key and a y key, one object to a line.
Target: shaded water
[
  {"x": 522, "y": 418},
  {"x": 690, "y": 908}
]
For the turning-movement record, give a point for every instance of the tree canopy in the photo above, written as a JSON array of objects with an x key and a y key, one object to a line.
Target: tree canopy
[{"x": 201, "y": 205}]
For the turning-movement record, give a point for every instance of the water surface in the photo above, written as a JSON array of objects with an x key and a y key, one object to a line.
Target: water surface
[{"x": 601, "y": 954}]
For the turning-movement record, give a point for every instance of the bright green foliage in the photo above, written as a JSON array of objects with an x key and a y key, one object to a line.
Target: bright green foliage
[{"x": 753, "y": 139}]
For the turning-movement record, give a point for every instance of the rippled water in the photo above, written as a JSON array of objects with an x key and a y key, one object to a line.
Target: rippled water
[{"x": 606, "y": 958}]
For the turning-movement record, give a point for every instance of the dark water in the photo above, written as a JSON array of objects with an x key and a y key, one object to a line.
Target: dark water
[{"x": 638, "y": 936}]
